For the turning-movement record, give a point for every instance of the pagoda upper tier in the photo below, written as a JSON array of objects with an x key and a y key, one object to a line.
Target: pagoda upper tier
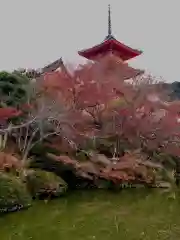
[{"x": 110, "y": 44}]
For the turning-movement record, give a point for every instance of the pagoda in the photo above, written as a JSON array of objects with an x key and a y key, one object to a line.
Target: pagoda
[{"x": 111, "y": 46}]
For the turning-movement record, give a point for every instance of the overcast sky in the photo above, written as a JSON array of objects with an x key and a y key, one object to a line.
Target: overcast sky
[{"x": 36, "y": 32}]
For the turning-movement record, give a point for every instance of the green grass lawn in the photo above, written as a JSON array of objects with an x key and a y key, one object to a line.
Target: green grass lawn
[{"x": 128, "y": 215}]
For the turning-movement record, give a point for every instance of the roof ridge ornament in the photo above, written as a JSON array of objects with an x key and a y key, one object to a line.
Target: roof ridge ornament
[{"x": 109, "y": 21}]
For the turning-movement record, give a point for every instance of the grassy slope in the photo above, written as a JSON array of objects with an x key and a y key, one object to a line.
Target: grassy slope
[{"x": 84, "y": 216}]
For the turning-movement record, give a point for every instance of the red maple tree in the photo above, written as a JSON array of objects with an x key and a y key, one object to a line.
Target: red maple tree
[
  {"x": 98, "y": 102},
  {"x": 95, "y": 102}
]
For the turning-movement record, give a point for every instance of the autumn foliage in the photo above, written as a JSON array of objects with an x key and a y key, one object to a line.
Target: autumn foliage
[
  {"x": 9, "y": 162},
  {"x": 95, "y": 101},
  {"x": 8, "y": 113},
  {"x": 76, "y": 110}
]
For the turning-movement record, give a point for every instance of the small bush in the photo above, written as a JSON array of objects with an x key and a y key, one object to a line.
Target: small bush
[
  {"x": 43, "y": 184},
  {"x": 9, "y": 163},
  {"x": 13, "y": 193},
  {"x": 41, "y": 149}
]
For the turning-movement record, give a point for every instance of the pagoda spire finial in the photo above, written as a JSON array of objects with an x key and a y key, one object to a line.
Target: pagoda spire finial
[{"x": 109, "y": 21}]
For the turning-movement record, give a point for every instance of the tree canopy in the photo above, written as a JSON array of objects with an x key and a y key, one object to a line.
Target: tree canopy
[{"x": 13, "y": 89}]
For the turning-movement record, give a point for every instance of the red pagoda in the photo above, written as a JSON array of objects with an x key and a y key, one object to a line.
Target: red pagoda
[{"x": 110, "y": 45}]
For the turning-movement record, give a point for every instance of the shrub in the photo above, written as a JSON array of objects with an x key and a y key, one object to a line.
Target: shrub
[
  {"x": 43, "y": 184},
  {"x": 40, "y": 150},
  {"x": 13, "y": 193},
  {"x": 135, "y": 167},
  {"x": 9, "y": 163}
]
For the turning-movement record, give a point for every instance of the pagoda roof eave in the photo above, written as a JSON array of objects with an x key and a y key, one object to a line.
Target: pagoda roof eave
[
  {"x": 112, "y": 43},
  {"x": 53, "y": 66}
]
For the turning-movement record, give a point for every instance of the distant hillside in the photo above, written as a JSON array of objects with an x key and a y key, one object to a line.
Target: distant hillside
[{"x": 174, "y": 89}]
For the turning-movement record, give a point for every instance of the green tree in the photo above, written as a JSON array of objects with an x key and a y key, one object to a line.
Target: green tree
[{"x": 13, "y": 89}]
